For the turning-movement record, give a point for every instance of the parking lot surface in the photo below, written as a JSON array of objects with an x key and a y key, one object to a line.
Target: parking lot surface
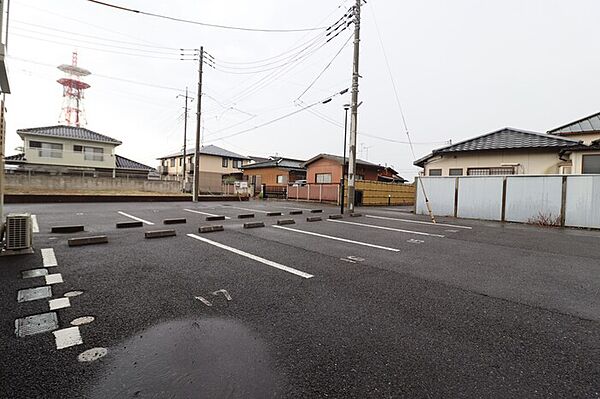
[{"x": 386, "y": 304}]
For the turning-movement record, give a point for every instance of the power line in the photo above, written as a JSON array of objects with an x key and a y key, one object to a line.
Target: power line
[
  {"x": 328, "y": 99},
  {"x": 94, "y": 37},
  {"x": 341, "y": 125},
  {"x": 95, "y": 49},
  {"x": 102, "y": 76},
  {"x": 326, "y": 67},
  {"x": 87, "y": 23},
  {"x": 188, "y": 21},
  {"x": 389, "y": 69},
  {"x": 94, "y": 42}
]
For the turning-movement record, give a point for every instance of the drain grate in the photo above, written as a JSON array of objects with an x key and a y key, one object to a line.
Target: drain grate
[
  {"x": 36, "y": 324},
  {"x": 34, "y": 273},
  {"x": 32, "y": 294}
]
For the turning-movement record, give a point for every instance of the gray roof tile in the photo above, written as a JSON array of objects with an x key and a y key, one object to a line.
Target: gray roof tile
[
  {"x": 209, "y": 150},
  {"x": 338, "y": 159},
  {"x": 586, "y": 125},
  {"x": 504, "y": 139},
  {"x": 69, "y": 132},
  {"x": 278, "y": 163},
  {"x": 126, "y": 163}
]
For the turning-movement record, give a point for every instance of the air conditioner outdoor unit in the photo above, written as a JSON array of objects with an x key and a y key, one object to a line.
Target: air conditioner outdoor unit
[{"x": 18, "y": 232}]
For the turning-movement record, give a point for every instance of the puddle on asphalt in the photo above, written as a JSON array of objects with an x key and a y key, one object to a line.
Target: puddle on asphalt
[{"x": 209, "y": 358}]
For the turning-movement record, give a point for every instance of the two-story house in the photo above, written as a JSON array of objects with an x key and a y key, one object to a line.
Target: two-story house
[
  {"x": 216, "y": 166},
  {"x": 68, "y": 149}
]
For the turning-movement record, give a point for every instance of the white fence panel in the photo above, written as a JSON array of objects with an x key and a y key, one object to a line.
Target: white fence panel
[
  {"x": 440, "y": 191},
  {"x": 480, "y": 197},
  {"x": 528, "y": 197},
  {"x": 583, "y": 201}
]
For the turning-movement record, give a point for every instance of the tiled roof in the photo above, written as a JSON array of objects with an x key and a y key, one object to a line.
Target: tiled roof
[
  {"x": 209, "y": 150},
  {"x": 339, "y": 160},
  {"x": 17, "y": 157},
  {"x": 504, "y": 139},
  {"x": 277, "y": 163},
  {"x": 121, "y": 162},
  {"x": 69, "y": 132},
  {"x": 586, "y": 125},
  {"x": 126, "y": 163}
]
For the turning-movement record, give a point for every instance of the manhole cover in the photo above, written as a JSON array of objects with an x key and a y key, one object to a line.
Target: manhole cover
[
  {"x": 82, "y": 320},
  {"x": 92, "y": 354},
  {"x": 31, "y": 294},
  {"x": 36, "y": 324},
  {"x": 71, "y": 294},
  {"x": 34, "y": 273}
]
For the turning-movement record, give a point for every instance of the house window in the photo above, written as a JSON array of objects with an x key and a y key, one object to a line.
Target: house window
[
  {"x": 93, "y": 154},
  {"x": 77, "y": 148},
  {"x": 279, "y": 179},
  {"x": 456, "y": 172},
  {"x": 172, "y": 162},
  {"x": 509, "y": 170},
  {"x": 591, "y": 164},
  {"x": 47, "y": 150},
  {"x": 180, "y": 161},
  {"x": 237, "y": 163},
  {"x": 225, "y": 162},
  {"x": 190, "y": 159},
  {"x": 323, "y": 177},
  {"x": 435, "y": 172}
]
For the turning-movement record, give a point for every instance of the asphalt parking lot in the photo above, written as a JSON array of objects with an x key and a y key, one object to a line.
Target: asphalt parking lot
[{"x": 382, "y": 305}]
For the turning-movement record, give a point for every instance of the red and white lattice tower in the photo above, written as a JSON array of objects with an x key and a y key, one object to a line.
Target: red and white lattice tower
[{"x": 72, "y": 113}]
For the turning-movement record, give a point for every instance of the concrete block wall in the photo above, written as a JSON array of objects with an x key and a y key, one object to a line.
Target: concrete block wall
[{"x": 16, "y": 183}]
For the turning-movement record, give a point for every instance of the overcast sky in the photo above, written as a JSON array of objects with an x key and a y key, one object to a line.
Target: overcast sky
[{"x": 462, "y": 68}]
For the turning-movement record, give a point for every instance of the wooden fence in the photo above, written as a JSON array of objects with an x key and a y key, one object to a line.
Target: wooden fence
[{"x": 375, "y": 193}]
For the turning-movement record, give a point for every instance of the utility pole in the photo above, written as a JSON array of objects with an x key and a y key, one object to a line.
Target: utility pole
[
  {"x": 196, "y": 190},
  {"x": 354, "y": 109},
  {"x": 342, "y": 183},
  {"x": 185, "y": 117}
]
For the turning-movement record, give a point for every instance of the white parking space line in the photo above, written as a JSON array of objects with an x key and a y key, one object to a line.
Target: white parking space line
[
  {"x": 310, "y": 233},
  {"x": 134, "y": 218},
  {"x": 419, "y": 222},
  {"x": 253, "y": 257},
  {"x": 245, "y": 209},
  {"x": 67, "y": 337},
  {"x": 48, "y": 257},
  {"x": 34, "y": 224},
  {"x": 204, "y": 213},
  {"x": 420, "y": 233}
]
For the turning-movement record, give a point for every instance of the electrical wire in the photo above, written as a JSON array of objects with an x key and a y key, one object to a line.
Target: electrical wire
[
  {"x": 341, "y": 125},
  {"x": 325, "y": 69},
  {"x": 95, "y": 49},
  {"x": 210, "y": 25},
  {"x": 101, "y": 76},
  {"x": 92, "y": 36},
  {"x": 412, "y": 148},
  {"x": 328, "y": 99},
  {"x": 94, "y": 42}
]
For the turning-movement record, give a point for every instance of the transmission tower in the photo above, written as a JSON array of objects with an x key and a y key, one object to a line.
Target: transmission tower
[{"x": 72, "y": 113}]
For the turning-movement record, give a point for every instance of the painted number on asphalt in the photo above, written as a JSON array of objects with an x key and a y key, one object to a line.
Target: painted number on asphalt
[{"x": 413, "y": 241}]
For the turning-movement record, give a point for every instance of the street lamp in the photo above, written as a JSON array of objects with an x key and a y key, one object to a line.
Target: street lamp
[{"x": 342, "y": 182}]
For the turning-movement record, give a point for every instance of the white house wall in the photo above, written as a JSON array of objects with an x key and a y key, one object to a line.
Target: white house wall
[
  {"x": 536, "y": 163},
  {"x": 70, "y": 157}
]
